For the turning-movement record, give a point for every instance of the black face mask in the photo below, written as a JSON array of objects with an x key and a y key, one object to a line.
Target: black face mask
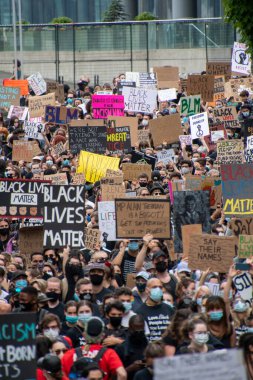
[
  {"x": 46, "y": 276},
  {"x": 9, "y": 276},
  {"x": 4, "y": 231},
  {"x": 138, "y": 337},
  {"x": 54, "y": 296},
  {"x": 119, "y": 279},
  {"x": 96, "y": 279},
  {"x": 85, "y": 297},
  {"x": 50, "y": 260},
  {"x": 161, "y": 266},
  {"x": 26, "y": 306},
  {"x": 115, "y": 321},
  {"x": 16, "y": 304},
  {"x": 143, "y": 184}
]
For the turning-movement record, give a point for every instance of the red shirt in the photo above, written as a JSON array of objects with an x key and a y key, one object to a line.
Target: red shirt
[
  {"x": 109, "y": 363},
  {"x": 40, "y": 376}
]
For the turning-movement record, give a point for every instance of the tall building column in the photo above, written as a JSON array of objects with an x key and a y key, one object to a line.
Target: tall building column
[
  {"x": 183, "y": 9},
  {"x": 131, "y": 8}
]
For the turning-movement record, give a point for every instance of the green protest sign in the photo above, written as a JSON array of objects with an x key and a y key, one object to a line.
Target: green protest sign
[{"x": 190, "y": 105}]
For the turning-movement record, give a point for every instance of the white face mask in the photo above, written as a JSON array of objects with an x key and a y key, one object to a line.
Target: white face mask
[
  {"x": 144, "y": 122},
  {"x": 201, "y": 339},
  {"x": 51, "y": 333}
]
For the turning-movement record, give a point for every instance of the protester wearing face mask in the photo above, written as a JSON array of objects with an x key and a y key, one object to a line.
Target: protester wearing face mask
[
  {"x": 173, "y": 108},
  {"x": 198, "y": 335},
  {"x": 245, "y": 112},
  {"x": 153, "y": 351},
  {"x": 71, "y": 317},
  {"x": 160, "y": 261},
  {"x": 73, "y": 272},
  {"x": 126, "y": 257},
  {"x": 84, "y": 311},
  {"x": 145, "y": 122},
  {"x": 96, "y": 274},
  {"x": 50, "y": 326},
  {"x": 125, "y": 295},
  {"x": 139, "y": 293},
  {"x": 240, "y": 313},
  {"x": 54, "y": 291},
  {"x": 115, "y": 333},
  {"x": 4, "y": 236},
  {"x": 28, "y": 303},
  {"x": 3, "y": 293}
]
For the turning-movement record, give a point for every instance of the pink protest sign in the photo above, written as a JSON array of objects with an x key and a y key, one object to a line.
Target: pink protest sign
[{"x": 104, "y": 106}]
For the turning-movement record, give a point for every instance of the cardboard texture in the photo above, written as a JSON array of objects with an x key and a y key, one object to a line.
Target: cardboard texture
[
  {"x": 210, "y": 251},
  {"x": 230, "y": 151},
  {"x": 131, "y": 122},
  {"x": 193, "y": 182},
  {"x": 58, "y": 89},
  {"x": 78, "y": 179},
  {"x": 167, "y": 77},
  {"x": 143, "y": 136},
  {"x": 245, "y": 246},
  {"x": 219, "y": 68},
  {"x": 87, "y": 123},
  {"x": 37, "y": 104},
  {"x": 117, "y": 180},
  {"x": 110, "y": 192},
  {"x": 242, "y": 226},
  {"x": 57, "y": 179},
  {"x": 226, "y": 115},
  {"x": 24, "y": 150},
  {"x": 187, "y": 231},
  {"x": 201, "y": 84},
  {"x": 131, "y": 172},
  {"x": 167, "y": 128},
  {"x": 30, "y": 240},
  {"x": 9, "y": 96},
  {"x": 92, "y": 239},
  {"x": 235, "y": 86},
  {"x": 219, "y": 87},
  {"x": 113, "y": 173},
  {"x": 58, "y": 148}
]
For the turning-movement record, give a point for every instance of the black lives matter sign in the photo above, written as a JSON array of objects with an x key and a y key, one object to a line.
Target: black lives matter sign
[{"x": 64, "y": 216}]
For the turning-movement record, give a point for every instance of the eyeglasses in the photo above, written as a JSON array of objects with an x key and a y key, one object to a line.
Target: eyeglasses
[
  {"x": 63, "y": 350},
  {"x": 157, "y": 194}
]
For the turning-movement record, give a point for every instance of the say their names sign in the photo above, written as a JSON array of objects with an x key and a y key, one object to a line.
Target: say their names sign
[
  {"x": 107, "y": 105},
  {"x": 60, "y": 115},
  {"x": 245, "y": 246},
  {"x": 137, "y": 217},
  {"x": 9, "y": 96},
  {"x": 226, "y": 115},
  {"x": 230, "y": 151},
  {"x": 168, "y": 128},
  {"x": 210, "y": 251},
  {"x": 64, "y": 216},
  {"x": 190, "y": 105},
  {"x": 139, "y": 99}
]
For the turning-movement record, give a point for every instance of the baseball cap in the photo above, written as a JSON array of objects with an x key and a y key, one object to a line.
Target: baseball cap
[
  {"x": 158, "y": 254},
  {"x": 183, "y": 267},
  {"x": 50, "y": 363},
  {"x": 96, "y": 266},
  {"x": 17, "y": 274},
  {"x": 143, "y": 274},
  {"x": 39, "y": 158}
]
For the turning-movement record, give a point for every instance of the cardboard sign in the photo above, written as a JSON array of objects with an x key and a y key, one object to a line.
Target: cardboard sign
[
  {"x": 78, "y": 179},
  {"x": 243, "y": 284},
  {"x": 226, "y": 115},
  {"x": 20, "y": 83},
  {"x": 58, "y": 148},
  {"x": 124, "y": 121},
  {"x": 201, "y": 84},
  {"x": 64, "y": 216},
  {"x": 9, "y": 96},
  {"x": 242, "y": 226},
  {"x": 57, "y": 179},
  {"x": 167, "y": 77},
  {"x": 117, "y": 180},
  {"x": 245, "y": 246},
  {"x": 37, "y": 104},
  {"x": 118, "y": 140},
  {"x": 143, "y": 136},
  {"x": 237, "y": 182},
  {"x": 18, "y": 345},
  {"x": 219, "y": 88},
  {"x": 20, "y": 198},
  {"x": 165, "y": 156},
  {"x": 113, "y": 173},
  {"x": 92, "y": 239},
  {"x": 190, "y": 105},
  {"x": 91, "y": 139},
  {"x": 124, "y": 83},
  {"x": 210, "y": 251},
  {"x": 217, "y": 135},
  {"x": 185, "y": 139},
  {"x": 230, "y": 151},
  {"x": 147, "y": 80},
  {"x": 166, "y": 128},
  {"x": 168, "y": 94},
  {"x": 34, "y": 130},
  {"x": 37, "y": 83},
  {"x": 139, "y": 99},
  {"x": 18, "y": 112},
  {"x": 88, "y": 123},
  {"x": 107, "y": 221},
  {"x": 235, "y": 86},
  {"x": 219, "y": 68},
  {"x": 137, "y": 217},
  {"x": 24, "y": 150},
  {"x": 199, "y": 125},
  {"x": 193, "y": 182},
  {"x": 187, "y": 231},
  {"x": 58, "y": 89},
  {"x": 30, "y": 240},
  {"x": 241, "y": 62},
  {"x": 111, "y": 191},
  {"x": 94, "y": 166},
  {"x": 131, "y": 172},
  {"x": 107, "y": 105},
  {"x": 215, "y": 128},
  {"x": 60, "y": 115}
]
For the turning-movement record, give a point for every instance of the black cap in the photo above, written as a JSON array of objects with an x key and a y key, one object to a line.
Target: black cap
[
  {"x": 158, "y": 254},
  {"x": 156, "y": 176},
  {"x": 248, "y": 106},
  {"x": 51, "y": 363},
  {"x": 17, "y": 274},
  {"x": 94, "y": 327}
]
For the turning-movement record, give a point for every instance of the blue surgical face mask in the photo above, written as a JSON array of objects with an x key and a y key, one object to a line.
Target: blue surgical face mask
[
  {"x": 215, "y": 315},
  {"x": 49, "y": 162},
  {"x": 250, "y": 329},
  {"x": 20, "y": 284},
  {"x": 199, "y": 301},
  {"x": 69, "y": 100},
  {"x": 245, "y": 114},
  {"x": 84, "y": 317},
  {"x": 185, "y": 119},
  {"x": 71, "y": 318},
  {"x": 127, "y": 306},
  {"x": 88, "y": 218},
  {"x": 173, "y": 110},
  {"x": 240, "y": 307},
  {"x": 133, "y": 246},
  {"x": 169, "y": 304},
  {"x": 156, "y": 294}
]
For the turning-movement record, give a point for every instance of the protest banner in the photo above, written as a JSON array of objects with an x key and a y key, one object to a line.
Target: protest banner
[
  {"x": 117, "y": 180},
  {"x": 167, "y": 128},
  {"x": 167, "y": 77},
  {"x": 20, "y": 198},
  {"x": 193, "y": 182},
  {"x": 113, "y": 173},
  {"x": 219, "y": 87},
  {"x": 245, "y": 246},
  {"x": 78, "y": 179},
  {"x": 9, "y": 96},
  {"x": 18, "y": 346},
  {"x": 91, "y": 139},
  {"x": 168, "y": 94},
  {"x": 190, "y": 207},
  {"x": 111, "y": 191},
  {"x": 58, "y": 89},
  {"x": 243, "y": 284},
  {"x": 37, "y": 83},
  {"x": 147, "y": 80},
  {"x": 60, "y": 115},
  {"x": 241, "y": 62},
  {"x": 226, "y": 115},
  {"x": 235, "y": 86},
  {"x": 58, "y": 148},
  {"x": 124, "y": 83},
  {"x": 165, "y": 156},
  {"x": 185, "y": 139},
  {"x": 215, "y": 128},
  {"x": 230, "y": 151},
  {"x": 18, "y": 112},
  {"x": 201, "y": 84},
  {"x": 92, "y": 239},
  {"x": 118, "y": 140},
  {"x": 190, "y": 105},
  {"x": 199, "y": 125},
  {"x": 136, "y": 217},
  {"x": 107, "y": 221},
  {"x": 218, "y": 365},
  {"x": 139, "y": 99},
  {"x": 143, "y": 136},
  {"x": 24, "y": 150},
  {"x": 37, "y": 104},
  {"x": 237, "y": 182},
  {"x": 242, "y": 226},
  {"x": 94, "y": 166},
  {"x": 21, "y": 83},
  {"x": 124, "y": 121},
  {"x": 219, "y": 68},
  {"x": 34, "y": 130},
  {"x": 56, "y": 179},
  {"x": 107, "y": 105},
  {"x": 131, "y": 171},
  {"x": 211, "y": 251},
  {"x": 187, "y": 231},
  {"x": 30, "y": 240},
  {"x": 64, "y": 216}
]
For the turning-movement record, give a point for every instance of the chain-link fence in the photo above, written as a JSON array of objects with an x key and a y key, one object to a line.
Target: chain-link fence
[{"x": 107, "y": 49}]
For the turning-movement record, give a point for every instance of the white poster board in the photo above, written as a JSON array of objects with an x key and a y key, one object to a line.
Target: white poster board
[
  {"x": 107, "y": 221},
  {"x": 139, "y": 99},
  {"x": 37, "y": 83},
  {"x": 199, "y": 125},
  {"x": 241, "y": 62},
  {"x": 165, "y": 156},
  {"x": 243, "y": 284},
  {"x": 165, "y": 95},
  {"x": 34, "y": 130}
]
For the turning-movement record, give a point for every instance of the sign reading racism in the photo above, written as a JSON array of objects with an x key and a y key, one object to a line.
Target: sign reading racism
[{"x": 107, "y": 105}]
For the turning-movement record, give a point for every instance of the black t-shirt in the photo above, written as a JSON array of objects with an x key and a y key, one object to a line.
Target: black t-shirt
[
  {"x": 58, "y": 310},
  {"x": 168, "y": 340},
  {"x": 100, "y": 296},
  {"x": 157, "y": 319},
  {"x": 76, "y": 336},
  {"x": 143, "y": 374}
]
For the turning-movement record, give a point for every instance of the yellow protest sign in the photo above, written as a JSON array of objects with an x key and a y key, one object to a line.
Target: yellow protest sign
[{"x": 94, "y": 165}]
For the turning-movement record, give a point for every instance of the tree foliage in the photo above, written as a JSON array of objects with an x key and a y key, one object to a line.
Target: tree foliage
[
  {"x": 62, "y": 20},
  {"x": 145, "y": 16},
  {"x": 240, "y": 14},
  {"x": 115, "y": 12}
]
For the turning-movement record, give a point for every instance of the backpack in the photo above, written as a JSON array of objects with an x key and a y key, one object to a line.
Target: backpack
[{"x": 82, "y": 364}]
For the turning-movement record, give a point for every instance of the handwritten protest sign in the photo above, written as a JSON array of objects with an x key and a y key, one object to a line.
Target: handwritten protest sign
[
  {"x": 242, "y": 226},
  {"x": 219, "y": 88},
  {"x": 147, "y": 80},
  {"x": 21, "y": 83},
  {"x": 24, "y": 150},
  {"x": 165, "y": 156},
  {"x": 30, "y": 240},
  {"x": 37, "y": 83},
  {"x": 92, "y": 239},
  {"x": 94, "y": 166},
  {"x": 113, "y": 173},
  {"x": 91, "y": 139},
  {"x": 131, "y": 172},
  {"x": 124, "y": 83},
  {"x": 137, "y": 217},
  {"x": 9, "y": 96},
  {"x": 201, "y": 84},
  {"x": 60, "y": 115},
  {"x": 167, "y": 77},
  {"x": 217, "y": 135},
  {"x": 241, "y": 62},
  {"x": 139, "y": 99},
  {"x": 57, "y": 179},
  {"x": 167, "y": 128},
  {"x": 185, "y": 139},
  {"x": 230, "y": 151},
  {"x": 245, "y": 246},
  {"x": 237, "y": 182},
  {"x": 190, "y": 105},
  {"x": 226, "y": 115},
  {"x": 199, "y": 125},
  {"x": 235, "y": 86},
  {"x": 143, "y": 136},
  {"x": 187, "y": 231},
  {"x": 78, "y": 179},
  {"x": 18, "y": 112},
  {"x": 58, "y": 89},
  {"x": 219, "y": 68},
  {"x": 124, "y": 121},
  {"x": 64, "y": 216},
  {"x": 112, "y": 191},
  {"x": 193, "y": 182},
  {"x": 243, "y": 284},
  {"x": 118, "y": 140},
  {"x": 168, "y": 94},
  {"x": 107, "y": 221},
  {"x": 34, "y": 130},
  {"x": 58, "y": 148},
  {"x": 215, "y": 128},
  {"x": 37, "y": 104},
  {"x": 210, "y": 251},
  {"x": 107, "y": 105}
]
